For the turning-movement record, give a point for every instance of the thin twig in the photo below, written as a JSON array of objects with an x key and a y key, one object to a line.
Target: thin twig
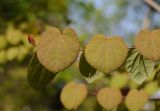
[
  {"x": 151, "y": 98},
  {"x": 92, "y": 93},
  {"x": 153, "y": 4},
  {"x": 146, "y": 20},
  {"x": 154, "y": 98},
  {"x": 81, "y": 49}
]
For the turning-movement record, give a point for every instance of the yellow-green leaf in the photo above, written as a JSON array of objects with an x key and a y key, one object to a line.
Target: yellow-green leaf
[
  {"x": 57, "y": 50},
  {"x": 151, "y": 87},
  {"x": 12, "y": 53},
  {"x": 38, "y": 76},
  {"x": 106, "y": 54},
  {"x": 73, "y": 95},
  {"x": 14, "y": 36},
  {"x": 109, "y": 98},
  {"x": 3, "y": 42},
  {"x": 119, "y": 80},
  {"x": 148, "y": 44},
  {"x": 3, "y": 58},
  {"x": 23, "y": 51},
  {"x": 138, "y": 67},
  {"x": 136, "y": 100}
]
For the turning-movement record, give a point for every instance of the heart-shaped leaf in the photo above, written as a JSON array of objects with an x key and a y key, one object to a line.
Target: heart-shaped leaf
[
  {"x": 109, "y": 98},
  {"x": 57, "y": 50},
  {"x": 147, "y": 44},
  {"x": 38, "y": 76},
  {"x": 106, "y": 54},
  {"x": 136, "y": 100},
  {"x": 138, "y": 67},
  {"x": 73, "y": 94}
]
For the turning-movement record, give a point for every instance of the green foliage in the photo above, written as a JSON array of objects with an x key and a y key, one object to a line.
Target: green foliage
[
  {"x": 38, "y": 76},
  {"x": 22, "y": 52},
  {"x": 14, "y": 46},
  {"x": 12, "y": 53},
  {"x": 119, "y": 80},
  {"x": 138, "y": 67},
  {"x": 33, "y": 11},
  {"x": 3, "y": 42},
  {"x": 31, "y": 17},
  {"x": 57, "y": 50},
  {"x": 151, "y": 87},
  {"x": 13, "y": 35},
  {"x": 3, "y": 57}
]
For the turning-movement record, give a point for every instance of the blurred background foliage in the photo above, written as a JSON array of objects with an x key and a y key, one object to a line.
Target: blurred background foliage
[{"x": 88, "y": 17}]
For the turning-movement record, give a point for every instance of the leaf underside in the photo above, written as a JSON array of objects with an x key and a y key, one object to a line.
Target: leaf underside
[
  {"x": 38, "y": 76},
  {"x": 138, "y": 67},
  {"x": 85, "y": 68}
]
